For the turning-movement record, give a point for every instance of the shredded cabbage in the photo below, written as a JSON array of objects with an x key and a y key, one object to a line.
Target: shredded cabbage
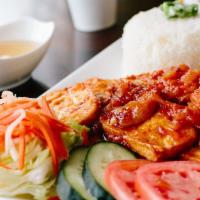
[{"x": 35, "y": 180}]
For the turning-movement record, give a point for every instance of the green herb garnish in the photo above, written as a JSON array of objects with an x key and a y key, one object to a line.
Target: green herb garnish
[{"x": 174, "y": 9}]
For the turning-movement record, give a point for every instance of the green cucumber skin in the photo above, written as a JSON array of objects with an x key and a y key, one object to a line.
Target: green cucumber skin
[
  {"x": 91, "y": 182},
  {"x": 64, "y": 190},
  {"x": 94, "y": 188}
]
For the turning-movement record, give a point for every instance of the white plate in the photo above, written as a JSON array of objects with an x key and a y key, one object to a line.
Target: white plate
[{"x": 106, "y": 64}]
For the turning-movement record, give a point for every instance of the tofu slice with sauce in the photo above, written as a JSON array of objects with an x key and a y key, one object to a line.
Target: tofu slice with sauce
[
  {"x": 74, "y": 103},
  {"x": 156, "y": 139}
]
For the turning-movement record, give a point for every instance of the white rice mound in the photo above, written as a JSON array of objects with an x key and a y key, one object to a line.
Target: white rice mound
[{"x": 151, "y": 41}]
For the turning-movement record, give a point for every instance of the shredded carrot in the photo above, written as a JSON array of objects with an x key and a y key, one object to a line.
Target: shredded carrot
[
  {"x": 2, "y": 128},
  {"x": 9, "y": 119},
  {"x": 4, "y": 166},
  {"x": 40, "y": 122},
  {"x": 7, "y": 111},
  {"x": 1, "y": 143},
  {"x": 45, "y": 107},
  {"x": 23, "y": 104},
  {"x": 57, "y": 141}
]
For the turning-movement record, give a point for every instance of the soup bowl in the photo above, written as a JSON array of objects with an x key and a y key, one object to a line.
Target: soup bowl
[{"x": 15, "y": 70}]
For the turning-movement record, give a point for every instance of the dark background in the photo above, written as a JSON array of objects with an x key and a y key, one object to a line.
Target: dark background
[{"x": 70, "y": 48}]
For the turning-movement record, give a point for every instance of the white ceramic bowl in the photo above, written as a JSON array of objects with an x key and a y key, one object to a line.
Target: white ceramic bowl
[{"x": 16, "y": 70}]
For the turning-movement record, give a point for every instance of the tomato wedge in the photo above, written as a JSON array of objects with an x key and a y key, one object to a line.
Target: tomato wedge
[
  {"x": 175, "y": 180},
  {"x": 120, "y": 176}
]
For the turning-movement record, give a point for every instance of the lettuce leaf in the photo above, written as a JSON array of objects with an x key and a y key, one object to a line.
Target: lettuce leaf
[{"x": 74, "y": 138}]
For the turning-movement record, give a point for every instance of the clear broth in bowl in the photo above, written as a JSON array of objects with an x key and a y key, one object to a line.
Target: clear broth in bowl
[{"x": 16, "y": 48}]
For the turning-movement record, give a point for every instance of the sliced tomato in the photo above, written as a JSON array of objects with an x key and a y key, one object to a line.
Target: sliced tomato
[
  {"x": 175, "y": 180},
  {"x": 120, "y": 178}
]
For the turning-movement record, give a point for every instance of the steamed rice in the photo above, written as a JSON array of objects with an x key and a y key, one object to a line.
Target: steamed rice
[{"x": 151, "y": 41}]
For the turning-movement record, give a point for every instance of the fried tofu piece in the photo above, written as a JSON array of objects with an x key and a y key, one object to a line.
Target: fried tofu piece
[
  {"x": 195, "y": 99},
  {"x": 193, "y": 155},
  {"x": 102, "y": 89},
  {"x": 75, "y": 103},
  {"x": 156, "y": 139},
  {"x": 135, "y": 112}
]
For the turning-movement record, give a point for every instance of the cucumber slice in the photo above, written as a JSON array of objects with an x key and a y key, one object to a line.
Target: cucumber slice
[
  {"x": 70, "y": 182},
  {"x": 98, "y": 157}
]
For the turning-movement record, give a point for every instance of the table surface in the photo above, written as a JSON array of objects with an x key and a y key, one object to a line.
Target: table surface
[{"x": 69, "y": 48}]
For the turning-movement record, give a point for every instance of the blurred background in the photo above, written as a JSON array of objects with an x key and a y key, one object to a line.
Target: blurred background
[{"x": 69, "y": 48}]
